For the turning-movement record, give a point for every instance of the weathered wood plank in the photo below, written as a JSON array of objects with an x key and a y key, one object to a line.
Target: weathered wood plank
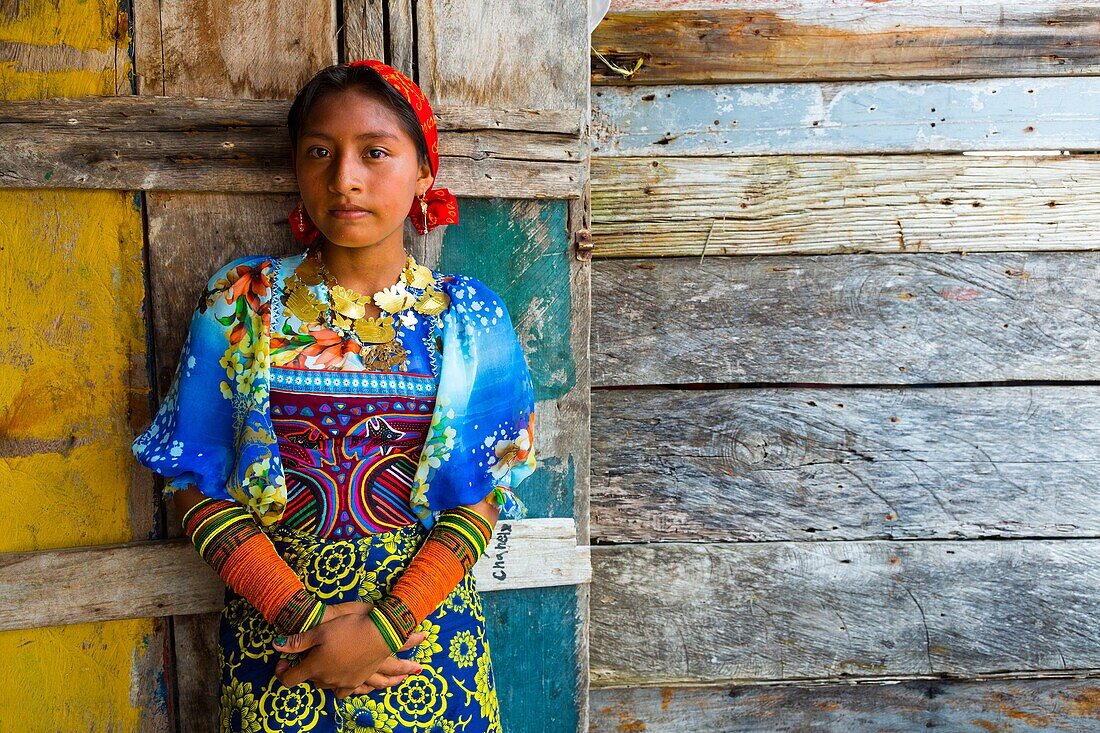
[
  {"x": 528, "y": 261},
  {"x": 158, "y": 114},
  {"x": 813, "y": 41},
  {"x": 812, "y": 463},
  {"x": 197, "y": 144},
  {"x": 364, "y": 29},
  {"x": 647, "y": 207},
  {"x": 247, "y": 48},
  {"x": 98, "y": 583},
  {"x": 857, "y": 319},
  {"x": 848, "y": 118},
  {"x": 1016, "y": 705},
  {"x": 787, "y": 610}
]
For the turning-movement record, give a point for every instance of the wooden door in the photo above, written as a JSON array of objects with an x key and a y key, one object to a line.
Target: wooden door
[{"x": 182, "y": 147}]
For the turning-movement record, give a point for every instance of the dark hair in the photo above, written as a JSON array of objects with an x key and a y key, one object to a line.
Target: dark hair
[{"x": 340, "y": 77}]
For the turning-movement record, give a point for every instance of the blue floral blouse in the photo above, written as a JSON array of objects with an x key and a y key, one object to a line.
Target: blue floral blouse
[{"x": 214, "y": 427}]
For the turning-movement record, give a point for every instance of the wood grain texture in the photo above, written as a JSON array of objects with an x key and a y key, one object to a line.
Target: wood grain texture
[
  {"x": 810, "y": 463},
  {"x": 656, "y": 207},
  {"x": 254, "y": 49},
  {"x": 853, "y": 319},
  {"x": 718, "y": 42},
  {"x": 789, "y": 610},
  {"x": 847, "y": 118},
  {"x": 98, "y": 583},
  {"x": 503, "y": 54},
  {"x": 224, "y": 145},
  {"x": 898, "y": 706},
  {"x": 364, "y": 30}
]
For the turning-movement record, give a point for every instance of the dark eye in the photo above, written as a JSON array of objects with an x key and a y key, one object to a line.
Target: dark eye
[
  {"x": 376, "y": 150},
  {"x": 316, "y": 149}
]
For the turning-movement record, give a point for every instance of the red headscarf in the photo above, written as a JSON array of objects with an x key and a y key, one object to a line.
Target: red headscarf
[{"x": 442, "y": 205}]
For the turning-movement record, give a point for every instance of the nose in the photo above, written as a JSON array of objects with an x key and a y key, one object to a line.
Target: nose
[{"x": 346, "y": 174}]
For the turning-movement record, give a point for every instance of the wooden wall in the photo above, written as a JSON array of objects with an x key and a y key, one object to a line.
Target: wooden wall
[
  {"x": 142, "y": 145},
  {"x": 844, "y": 359},
  {"x": 73, "y": 385}
]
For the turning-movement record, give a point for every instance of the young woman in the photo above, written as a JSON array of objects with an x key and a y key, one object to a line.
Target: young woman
[{"x": 344, "y": 429}]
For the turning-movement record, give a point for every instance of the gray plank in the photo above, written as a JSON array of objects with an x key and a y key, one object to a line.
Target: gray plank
[
  {"x": 813, "y": 463},
  {"x": 838, "y": 117},
  {"x": 789, "y": 610},
  {"x": 825, "y": 204},
  {"x": 899, "y": 706},
  {"x": 855, "y": 319}
]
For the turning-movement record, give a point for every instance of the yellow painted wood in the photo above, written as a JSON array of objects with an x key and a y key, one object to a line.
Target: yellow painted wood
[
  {"x": 63, "y": 48},
  {"x": 72, "y": 360}
]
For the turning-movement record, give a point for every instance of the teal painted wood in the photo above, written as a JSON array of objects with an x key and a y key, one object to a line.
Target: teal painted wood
[
  {"x": 532, "y": 641},
  {"x": 865, "y": 117},
  {"x": 520, "y": 248}
]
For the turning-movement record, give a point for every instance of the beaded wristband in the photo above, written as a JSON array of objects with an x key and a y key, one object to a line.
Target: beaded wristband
[
  {"x": 228, "y": 539},
  {"x": 457, "y": 540}
]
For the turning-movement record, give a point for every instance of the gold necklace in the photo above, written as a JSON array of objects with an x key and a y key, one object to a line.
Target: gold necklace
[{"x": 344, "y": 311}]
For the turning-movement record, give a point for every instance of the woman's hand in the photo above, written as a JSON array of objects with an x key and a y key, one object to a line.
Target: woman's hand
[{"x": 345, "y": 653}]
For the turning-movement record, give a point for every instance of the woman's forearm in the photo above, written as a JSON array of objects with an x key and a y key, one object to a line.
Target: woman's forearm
[{"x": 229, "y": 540}]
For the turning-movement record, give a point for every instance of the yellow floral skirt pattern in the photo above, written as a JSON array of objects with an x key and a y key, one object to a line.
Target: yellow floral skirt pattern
[{"x": 455, "y": 692}]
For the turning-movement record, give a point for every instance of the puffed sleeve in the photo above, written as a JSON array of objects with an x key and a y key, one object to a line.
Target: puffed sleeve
[
  {"x": 481, "y": 441},
  {"x": 191, "y": 437}
]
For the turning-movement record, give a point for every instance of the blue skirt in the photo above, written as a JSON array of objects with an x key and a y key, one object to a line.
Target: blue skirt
[{"x": 455, "y": 692}]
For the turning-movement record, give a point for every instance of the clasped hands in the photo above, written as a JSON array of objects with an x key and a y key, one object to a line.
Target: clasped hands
[{"x": 346, "y": 653}]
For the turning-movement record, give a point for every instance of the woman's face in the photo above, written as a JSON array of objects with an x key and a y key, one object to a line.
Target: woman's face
[{"x": 352, "y": 151}]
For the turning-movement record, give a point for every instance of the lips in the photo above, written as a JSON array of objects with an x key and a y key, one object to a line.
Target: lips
[{"x": 348, "y": 211}]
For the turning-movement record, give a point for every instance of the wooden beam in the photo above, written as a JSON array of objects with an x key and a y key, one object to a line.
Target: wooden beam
[
  {"x": 847, "y": 118},
  {"x": 816, "y": 463},
  {"x": 657, "y": 206},
  {"x": 231, "y": 145},
  {"x": 1006, "y": 703},
  {"x": 857, "y": 319},
  {"x": 805, "y": 40},
  {"x": 143, "y": 579},
  {"x": 733, "y": 612}
]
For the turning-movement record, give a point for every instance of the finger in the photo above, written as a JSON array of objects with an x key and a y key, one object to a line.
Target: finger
[
  {"x": 395, "y": 665},
  {"x": 342, "y": 692},
  {"x": 298, "y": 674},
  {"x": 363, "y": 690},
  {"x": 413, "y": 640},
  {"x": 383, "y": 680},
  {"x": 296, "y": 642}
]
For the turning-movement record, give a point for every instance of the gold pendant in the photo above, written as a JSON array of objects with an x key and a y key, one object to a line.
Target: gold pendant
[
  {"x": 309, "y": 270},
  {"x": 303, "y": 304},
  {"x": 347, "y": 302},
  {"x": 384, "y": 356},
  {"x": 394, "y": 299},
  {"x": 432, "y": 302},
  {"x": 376, "y": 330},
  {"x": 418, "y": 275}
]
